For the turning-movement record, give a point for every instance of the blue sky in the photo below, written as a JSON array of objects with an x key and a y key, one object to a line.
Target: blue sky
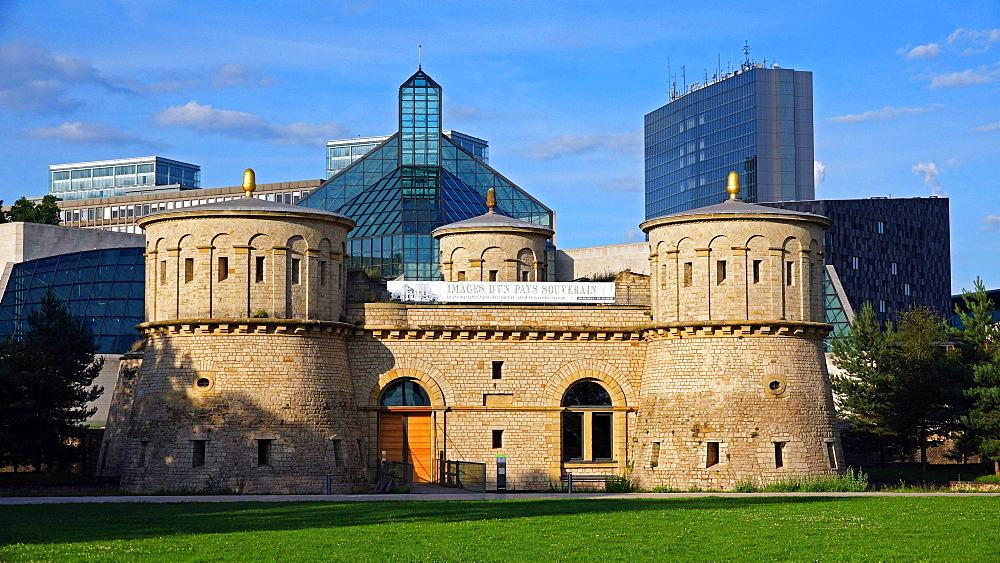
[{"x": 906, "y": 96}]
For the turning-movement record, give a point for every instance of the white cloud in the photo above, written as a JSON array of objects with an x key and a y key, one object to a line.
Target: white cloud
[
  {"x": 930, "y": 172},
  {"x": 629, "y": 142},
  {"x": 632, "y": 235},
  {"x": 968, "y": 77},
  {"x": 86, "y": 133},
  {"x": 888, "y": 112},
  {"x": 819, "y": 172},
  {"x": 234, "y": 75},
  {"x": 623, "y": 186},
  {"x": 991, "y": 222},
  {"x": 988, "y": 127},
  {"x": 979, "y": 37},
  {"x": 34, "y": 80},
  {"x": 928, "y": 51},
  {"x": 246, "y": 126},
  {"x": 954, "y": 162},
  {"x": 459, "y": 113}
]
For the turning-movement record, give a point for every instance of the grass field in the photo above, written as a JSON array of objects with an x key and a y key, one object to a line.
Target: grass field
[{"x": 680, "y": 529}]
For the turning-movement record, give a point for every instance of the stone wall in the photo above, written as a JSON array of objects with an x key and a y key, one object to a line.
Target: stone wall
[
  {"x": 207, "y": 267},
  {"x": 500, "y": 254},
  {"x": 744, "y": 391},
  {"x": 119, "y": 418},
  {"x": 232, "y": 387},
  {"x": 525, "y": 402}
]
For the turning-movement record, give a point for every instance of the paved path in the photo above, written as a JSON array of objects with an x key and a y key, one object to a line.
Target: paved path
[{"x": 445, "y": 496}]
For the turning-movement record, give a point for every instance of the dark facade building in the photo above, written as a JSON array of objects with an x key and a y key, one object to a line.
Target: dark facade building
[
  {"x": 412, "y": 183},
  {"x": 757, "y": 121},
  {"x": 894, "y": 253}
]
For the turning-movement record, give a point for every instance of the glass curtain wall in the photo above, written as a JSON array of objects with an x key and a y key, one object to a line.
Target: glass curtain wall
[
  {"x": 413, "y": 183},
  {"x": 104, "y": 287}
]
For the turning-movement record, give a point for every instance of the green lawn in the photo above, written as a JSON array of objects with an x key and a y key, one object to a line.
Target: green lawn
[{"x": 684, "y": 529}]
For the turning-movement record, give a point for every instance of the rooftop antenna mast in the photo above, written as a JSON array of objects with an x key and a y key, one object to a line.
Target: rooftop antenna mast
[
  {"x": 420, "y": 62},
  {"x": 746, "y": 55},
  {"x": 684, "y": 78}
]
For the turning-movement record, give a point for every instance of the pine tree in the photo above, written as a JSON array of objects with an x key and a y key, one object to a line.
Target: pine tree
[
  {"x": 53, "y": 367},
  {"x": 863, "y": 387},
  {"x": 980, "y": 335}
]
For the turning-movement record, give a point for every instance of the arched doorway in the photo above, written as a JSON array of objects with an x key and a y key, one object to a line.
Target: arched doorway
[{"x": 404, "y": 427}]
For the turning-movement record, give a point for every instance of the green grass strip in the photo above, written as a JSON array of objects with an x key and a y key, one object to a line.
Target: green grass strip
[{"x": 677, "y": 529}]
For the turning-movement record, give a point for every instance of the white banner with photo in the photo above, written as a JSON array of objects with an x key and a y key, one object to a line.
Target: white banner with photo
[{"x": 501, "y": 292}]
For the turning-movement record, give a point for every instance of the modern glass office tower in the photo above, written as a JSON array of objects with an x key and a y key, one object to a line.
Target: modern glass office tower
[
  {"x": 413, "y": 182},
  {"x": 341, "y": 153},
  {"x": 757, "y": 121},
  {"x": 123, "y": 176}
]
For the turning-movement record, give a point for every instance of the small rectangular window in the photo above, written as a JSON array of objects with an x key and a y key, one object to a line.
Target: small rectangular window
[
  {"x": 223, "y": 268},
  {"x": 296, "y": 267},
  {"x": 720, "y": 272},
  {"x": 756, "y": 271},
  {"x": 688, "y": 274},
  {"x": 654, "y": 455},
  {"x": 259, "y": 274},
  {"x": 895, "y": 269},
  {"x": 881, "y": 228},
  {"x": 323, "y": 272},
  {"x": 143, "y": 447},
  {"x": 461, "y": 276},
  {"x": 906, "y": 289},
  {"x": 831, "y": 454},
  {"x": 855, "y": 263},
  {"x": 497, "y": 439},
  {"x": 493, "y": 275},
  {"x": 789, "y": 271},
  {"x": 338, "y": 451},
  {"x": 198, "y": 453},
  {"x": 712, "y": 457},
  {"x": 524, "y": 275},
  {"x": 188, "y": 269},
  {"x": 163, "y": 272},
  {"x": 881, "y": 306},
  {"x": 263, "y": 453},
  {"x": 497, "y": 370},
  {"x": 779, "y": 454}
]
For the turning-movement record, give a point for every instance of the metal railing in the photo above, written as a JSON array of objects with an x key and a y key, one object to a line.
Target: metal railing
[
  {"x": 393, "y": 477},
  {"x": 466, "y": 475}
]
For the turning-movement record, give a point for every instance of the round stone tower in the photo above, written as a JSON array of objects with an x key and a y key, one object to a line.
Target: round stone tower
[
  {"x": 244, "y": 383},
  {"x": 492, "y": 247},
  {"x": 735, "y": 385}
]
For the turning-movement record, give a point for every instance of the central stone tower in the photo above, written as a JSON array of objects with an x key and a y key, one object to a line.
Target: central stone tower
[
  {"x": 244, "y": 383},
  {"x": 735, "y": 385}
]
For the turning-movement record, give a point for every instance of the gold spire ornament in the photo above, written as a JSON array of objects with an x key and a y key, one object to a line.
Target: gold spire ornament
[
  {"x": 491, "y": 199},
  {"x": 733, "y": 185},
  {"x": 249, "y": 182}
]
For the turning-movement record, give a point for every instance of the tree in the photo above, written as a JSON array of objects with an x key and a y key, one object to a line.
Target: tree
[
  {"x": 925, "y": 380},
  {"x": 863, "y": 386},
  {"x": 4, "y": 218},
  {"x": 45, "y": 212},
  {"x": 47, "y": 387},
  {"x": 980, "y": 335}
]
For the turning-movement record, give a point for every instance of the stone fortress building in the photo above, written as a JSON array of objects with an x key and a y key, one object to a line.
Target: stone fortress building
[{"x": 258, "y": 375}]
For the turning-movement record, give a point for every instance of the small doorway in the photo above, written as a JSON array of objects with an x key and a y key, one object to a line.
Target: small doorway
[{"x": 405, "y": 428}]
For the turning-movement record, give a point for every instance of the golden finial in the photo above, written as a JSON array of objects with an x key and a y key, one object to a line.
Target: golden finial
[
  {"x": 491, "y": 199},
  {"x": 733, "y": 184},
  {"x": 249, "y": 182}
]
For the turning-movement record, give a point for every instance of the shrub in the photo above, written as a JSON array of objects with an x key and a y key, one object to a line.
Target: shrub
[
  {"x": 988, "y": 479},
  {"x": 261, "y": 314},
  {"x": 619, "y": 485}
]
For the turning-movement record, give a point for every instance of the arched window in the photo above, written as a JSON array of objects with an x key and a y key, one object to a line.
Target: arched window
[
  {"x": 587, "y": 423},
  {"x": 405, "y": 393}
]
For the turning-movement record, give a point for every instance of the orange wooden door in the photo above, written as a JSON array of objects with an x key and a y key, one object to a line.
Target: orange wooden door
[
  {"x": 406, "y": 437},
  {"x": 418, "y": 441}
]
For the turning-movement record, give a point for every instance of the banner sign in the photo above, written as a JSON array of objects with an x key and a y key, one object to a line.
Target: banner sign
[{"x": 501, "y": 292}]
